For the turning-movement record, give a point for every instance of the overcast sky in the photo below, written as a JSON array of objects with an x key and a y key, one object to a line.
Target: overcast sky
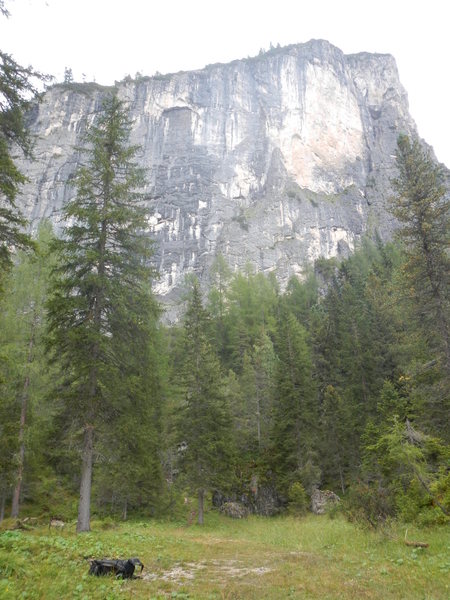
[{"x": 107, "y": 39}]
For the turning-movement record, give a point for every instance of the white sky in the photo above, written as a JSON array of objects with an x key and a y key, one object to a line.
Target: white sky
[{"x": 107, "y": 39}]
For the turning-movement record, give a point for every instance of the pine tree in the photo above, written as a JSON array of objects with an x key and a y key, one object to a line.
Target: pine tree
[
  {"x": 101, "y": 298},
  {"x": 257, "y": 384},
  {"x": 413, "y": 466},
  {"x": 25, "y": 380},
  {"x": 217, "y": 303},
  {"x": 18, "y": 89},
  {"x": 354, "y": 342},
  {"x": 68, "y": 75},
  {"x": 129, "y": 475},
  {"x": 421, "y": 205},
  {"x": 335, "y": 439},
  {"x": 205, "y": 424},
  {"x": 295, "y": 422},
  {"x": 252, "y": 300},
  {"x": 302, "y": 297}
]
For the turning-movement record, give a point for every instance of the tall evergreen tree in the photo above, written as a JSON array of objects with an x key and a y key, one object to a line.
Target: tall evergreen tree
[
  {"x": 295, "y": 416},
  {"x": 22, "y": 364},
  {"x": 18, "y": 89},
  {"x": 252, "y": 301},
  {"x": 421, "y": 205},
  {"x": 336, "y": 442},
  {"x": 101, "y": 296},
  {"x": 218, "y": 303},
  {"x": 129, "y": 474},
  {"x": 257, "y": 384},
  {"x": 205, "y": 425}
]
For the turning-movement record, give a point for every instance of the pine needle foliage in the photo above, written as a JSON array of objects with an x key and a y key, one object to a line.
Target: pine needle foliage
[
  {"x": 206, "y": 421},
  {"x": 101, "y": 301},
  {"x": 18, "y": 90},
  {"x": 421, "y": 205}
]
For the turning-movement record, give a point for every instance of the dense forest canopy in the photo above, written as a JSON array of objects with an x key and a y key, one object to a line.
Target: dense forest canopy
[{"x": 257, "y": 395}]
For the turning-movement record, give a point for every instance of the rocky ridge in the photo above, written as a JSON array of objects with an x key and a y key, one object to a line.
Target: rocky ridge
[{"x": 277, "y": 160}]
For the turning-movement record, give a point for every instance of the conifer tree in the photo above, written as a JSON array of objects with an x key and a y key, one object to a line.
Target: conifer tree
[
  {"x": 205, "y": 424},
  {"x": 18, "y": 89},
  {"x": 335, "y": 439},
  {"x": 129, "y": 475},
  {"x": 101, "y": 297},
  {"x": 257, "y": 384},
  {"x": 22, "y": 364},
  {"x": 421, "y": 205},
  {"x": 217, "y": 303},
  {"x": 295, "y": 410},
  {"x": 252, "y": 300}
]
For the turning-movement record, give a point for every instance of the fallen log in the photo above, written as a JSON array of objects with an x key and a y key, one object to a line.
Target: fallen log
[{"x": 415, "y": 544}]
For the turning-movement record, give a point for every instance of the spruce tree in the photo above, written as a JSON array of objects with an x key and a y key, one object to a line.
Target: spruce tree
[
  {"x": 421, "y": 205},
  {"x": 257, "y": 384},
  {"x": 129, "y": 473},
  {"x": 217, "y": 303},
  {"x": 295, "y": 425},
  {"x": 205, "y": 424},
  {"x": 18, "y": 90},
  {"x": 251, "y": 305},
  {"x": 101, "y": 297},
  {"x": 23, "y": 373},
  {"x": 336, "y": 442}
]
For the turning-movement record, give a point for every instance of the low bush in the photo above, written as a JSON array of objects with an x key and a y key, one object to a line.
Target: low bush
[
  {"x": 298, "y": 501},
  {"x": 368, "y": 504}
]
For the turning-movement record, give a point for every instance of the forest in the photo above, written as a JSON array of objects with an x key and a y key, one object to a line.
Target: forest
[{"x": 257, "y": 397}]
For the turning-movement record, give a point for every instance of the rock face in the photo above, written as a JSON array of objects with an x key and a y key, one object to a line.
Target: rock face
[
  {"x": 276, "y": 160},
  {"x": 252, "y": 499}
]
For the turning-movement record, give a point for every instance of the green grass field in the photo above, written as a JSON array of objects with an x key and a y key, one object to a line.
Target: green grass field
[{"x": 313, "y": 557}]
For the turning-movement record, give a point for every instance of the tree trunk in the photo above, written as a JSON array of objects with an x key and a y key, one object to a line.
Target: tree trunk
[
  {"x": 427, "y": 489},
  {"x": 125, "y": 510},
  {"x": 201, "y": 500},
  {"x": 441, "y": 311},
  {"x": 2, "y": 505},
  {"x": 23, "y": 415},
  {"x": 84, "y": 507},
  {"x": 341, "y": 478},
  {"x": 19, "y": 476},
  {"x": 258, "y": 418}
]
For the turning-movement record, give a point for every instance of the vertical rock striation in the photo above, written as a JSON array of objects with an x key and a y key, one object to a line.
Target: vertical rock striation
[{"x": 276, "y": 160}]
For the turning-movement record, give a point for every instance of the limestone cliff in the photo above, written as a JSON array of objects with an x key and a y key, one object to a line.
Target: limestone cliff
[{"x": 276, "y": 160}]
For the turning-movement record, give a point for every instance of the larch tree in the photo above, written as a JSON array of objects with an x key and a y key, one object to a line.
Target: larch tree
[{"x": 101, "y": 298}]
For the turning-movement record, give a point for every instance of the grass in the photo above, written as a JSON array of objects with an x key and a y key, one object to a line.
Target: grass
[{"x": 313, "y": 557}]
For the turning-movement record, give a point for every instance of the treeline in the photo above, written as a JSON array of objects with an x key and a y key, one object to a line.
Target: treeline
[{"x": 340, "y": 381}]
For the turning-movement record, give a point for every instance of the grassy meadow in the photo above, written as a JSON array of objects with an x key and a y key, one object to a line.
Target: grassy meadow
[{"x": 284, "y": 557}]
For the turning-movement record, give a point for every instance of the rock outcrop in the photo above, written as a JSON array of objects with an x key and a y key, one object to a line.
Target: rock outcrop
[
  {"x": 323, "y": 500},
  {"x": 234, "y": 510},
  {"x": 253, "y": 498},
  {"x": 276, "y": 160}
]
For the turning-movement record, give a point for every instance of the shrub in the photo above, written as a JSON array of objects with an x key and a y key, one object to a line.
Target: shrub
[
  {"x": 368, "y": 505},
  {"x": 298, "y": 500},
  {"x": 411, "y": 501}
]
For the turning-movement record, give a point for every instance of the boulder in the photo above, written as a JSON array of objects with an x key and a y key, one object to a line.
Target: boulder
[
  {"x": 267, "y": 501},
  {"x": 323, "y": 500},
  {"x": 235, "y": 510}
]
